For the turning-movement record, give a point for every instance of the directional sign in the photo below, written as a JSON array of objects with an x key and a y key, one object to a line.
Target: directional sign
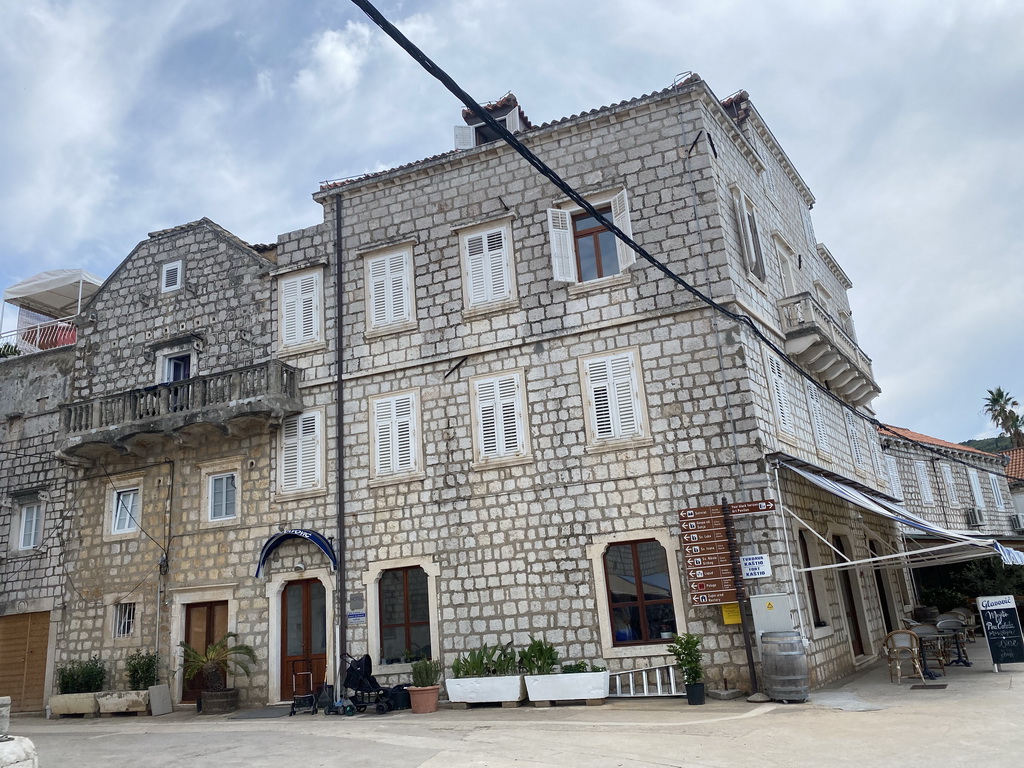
[
  {"x": 706, "y": 548},
  {"x": 703, "y": 524},
  {"x": 709, "y": 560},
  {"x": 743, "y": 507},
  {"x": 696, "y": 537},
  {"x": 699, "y": 512},
  {"x": 709, "y": 572},
  {"x": 713, "y": 598},
  {"x": 712, "y": 585}
]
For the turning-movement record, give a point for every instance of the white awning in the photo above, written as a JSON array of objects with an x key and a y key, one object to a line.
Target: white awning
[
  {"x": 58, "y": 293},
  {"x": 961, "y": 546}
]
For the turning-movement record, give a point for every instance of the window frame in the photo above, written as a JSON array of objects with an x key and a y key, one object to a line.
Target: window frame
[
  {"x": 596, "y": 440},
  {"x": 300, "y": 307},
  {"x": 132, "y": 515},
  {"x": 563, "y": 240},
  {"x": 408, "y": 623},
  {"x": 976, "y": 492},
  {"x": 641, "y": 602},
  {"x": 168, "y": 268},
  {"x": 393, "y": 320},
  {"x": 997, "y": 492},
  {"x": 122, "y": 615},
  {"x": 371, "y": 579},
  {"x": 785, "y": 419},
  {"x": 308, "y": 453},
  {"x": 854, "y": 435},
  {"x": 37, "y": 525},
  {"x": 749, "y": 233},
  {"x": 211, "y": 481},
  {"x": 485, "y": 268},
  {"x": 952, "y": 496},
  {"x": 924, "y": 483},
  {"x": 815, "y": 588},
  {"x": 517, "y": 398},
  {"x": 895, "y": 481},
  {"x": 414, "y": 466}
]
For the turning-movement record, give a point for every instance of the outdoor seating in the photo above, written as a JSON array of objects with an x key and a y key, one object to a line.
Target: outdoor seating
[
  {"x": 934, "y": 650},
  {"x": 966, "y": 615},
  {"x": 899, "y": 646},
  {"x": 954, "y": 628}
]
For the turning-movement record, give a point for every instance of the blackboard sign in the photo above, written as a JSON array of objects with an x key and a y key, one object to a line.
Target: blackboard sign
[{"x": 1002, "y": 629}]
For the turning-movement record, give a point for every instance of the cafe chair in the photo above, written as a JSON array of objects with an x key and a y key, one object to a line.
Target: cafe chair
[
  {"x": 899, "y": 646},
  {"x": 934, "y": 649},
  {"x": 966, "y": 615}
]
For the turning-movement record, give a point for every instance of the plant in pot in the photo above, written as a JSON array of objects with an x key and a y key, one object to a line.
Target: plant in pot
[
  {"x": 424, "y": 691},
  {"x": 214, "y": 664},
  {"x": 686, "y": 649},
  {"x": 489, "y": 673},
  {"x": 577, "y": 681},
  {"x": 78, "y": 681},
  {"x": 141, "y": 670}
]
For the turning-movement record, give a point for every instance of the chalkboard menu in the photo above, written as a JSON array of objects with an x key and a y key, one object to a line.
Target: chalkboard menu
[{"x": 1002, "y": 629}]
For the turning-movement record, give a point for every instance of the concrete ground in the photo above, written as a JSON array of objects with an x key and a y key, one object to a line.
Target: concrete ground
[{"x": 866, "y": 721}]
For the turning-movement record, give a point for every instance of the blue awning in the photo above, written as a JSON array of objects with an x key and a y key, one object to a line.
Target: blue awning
[{"x": 296, "y": 533}]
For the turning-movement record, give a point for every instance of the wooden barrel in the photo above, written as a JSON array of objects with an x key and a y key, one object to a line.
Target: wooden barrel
[{"x": 784, "y": 666}]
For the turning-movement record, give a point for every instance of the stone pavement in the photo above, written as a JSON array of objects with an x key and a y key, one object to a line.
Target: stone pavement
[{"x": 865, "y": 721}]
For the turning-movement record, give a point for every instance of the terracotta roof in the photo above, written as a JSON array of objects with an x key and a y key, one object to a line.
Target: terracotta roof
[
  {"x": 692, "y": 78},
  {"x": 918, "y": 437},
  {"x": 1016, "y": 466},
  {"x": 508, "y": 100}
]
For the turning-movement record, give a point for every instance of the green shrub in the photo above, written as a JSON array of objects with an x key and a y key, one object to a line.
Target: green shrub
[
  {"x": 425, "y": 673},
  {"x": 686, "y": 649},
  {"x": 9, "y": 350},
  {"x": 140, "y": 668},
  {"x": 943, "y": 598},
  {"x": 577, "y": 667},
  {"x": 538, "y": 658},
  {"x": 487, "y": 661},
  {"x": 81, "y": 676}
]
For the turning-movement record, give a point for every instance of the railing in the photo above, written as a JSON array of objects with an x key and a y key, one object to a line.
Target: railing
[
  {"x": 228, "y": 388},
  {"x": 36, "y": 338},
  {"x": 803, "y": 310},
  {"x": 646, "y": 681}
]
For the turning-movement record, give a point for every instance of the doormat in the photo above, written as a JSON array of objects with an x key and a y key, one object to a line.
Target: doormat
[
  {"x": 934, "y": 687},
  {"x": 258, "y": 714}
]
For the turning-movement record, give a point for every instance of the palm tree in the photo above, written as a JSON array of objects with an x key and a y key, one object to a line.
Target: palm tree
[
  {"x": 1000, "y": 406},
  {"x": 215, "y": 662}
]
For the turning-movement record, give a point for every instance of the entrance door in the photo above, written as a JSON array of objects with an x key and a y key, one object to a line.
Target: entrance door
[
  {"x": 852, "y": 620},
  {"x": 205, "y": 624},
  {"x": 303, "y": 637},
  {"x": 881, "y": 581},
  {"x": 23, "y": 639}
]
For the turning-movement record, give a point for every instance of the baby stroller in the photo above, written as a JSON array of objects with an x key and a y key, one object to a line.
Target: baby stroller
[{"x": 366, "y": 691}]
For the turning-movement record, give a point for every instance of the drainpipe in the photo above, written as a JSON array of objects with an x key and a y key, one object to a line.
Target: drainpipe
[{"x": 341, "y": 601}]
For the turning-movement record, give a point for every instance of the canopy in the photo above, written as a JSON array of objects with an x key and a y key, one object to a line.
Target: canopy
[
  {"x": 961, "y": 546},
  {"x": 300, "y": 533},
  {"x": 58, "y": 293}
]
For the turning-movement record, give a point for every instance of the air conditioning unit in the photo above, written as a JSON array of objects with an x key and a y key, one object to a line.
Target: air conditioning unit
[
  {"x": 1017, "y": 522},
  {"x": 975, "y": 518}
]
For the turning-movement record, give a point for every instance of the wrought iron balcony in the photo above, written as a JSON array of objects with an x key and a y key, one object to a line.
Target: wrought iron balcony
[
  {"x": 38, "y": 337},
  {"x": 821, "y": 344},
  {"x": 265, "y": 391}
]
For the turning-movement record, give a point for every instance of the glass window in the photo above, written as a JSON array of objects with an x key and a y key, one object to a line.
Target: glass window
[
  {"x": 596, "y": 254},
  {"x": 404, "y": 615},
  {"x": 639, "y": 592},
  {"x": 31, "y": 526},
  {"x": 124, "y": 619},
  {"x": 222, "y": 496},
  {"x": 126, "y": 511}
]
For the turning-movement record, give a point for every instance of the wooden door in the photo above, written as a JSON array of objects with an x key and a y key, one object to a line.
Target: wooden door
[
  {"x": 303, "y": 637},
  {"x": 205, "y": 623},
  {"x": 23, "y": 639},
  {"x": 850, "y": 606}
]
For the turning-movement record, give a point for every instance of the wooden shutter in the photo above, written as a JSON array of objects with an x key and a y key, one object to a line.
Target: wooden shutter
[
  {"x": 499, "y": 416},
  {"x": 563, "y": 254},
  {"x": 947, "y": 475},
  {"x": 487, "y": 267},
  {"x": 300, "y": 309},
  {"x": 465, "y": 137},
  {"x": 389, "y": 280},
  {"x": 394, "y": 428},
  {"x": 512, "y": 123},
  {"x": 309, "y": 450},
  {"x": 783, "y": 408},
  {"x": 620, "y": 218},
  {"x": 818, "y": 417},
  {"x": 614, "y": 396},
  {"x": 924, "y": 483},
  {"x": 997, "y": 492},
  {"x": 895, "y": 484},
  {"x": 853, "y": 432},
  {"x": 290, "y": 454},
  {"x": 979, "y": 498}
]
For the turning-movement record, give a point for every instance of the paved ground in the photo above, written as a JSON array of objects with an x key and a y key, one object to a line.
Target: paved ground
[{"x": 865, "y": 722}]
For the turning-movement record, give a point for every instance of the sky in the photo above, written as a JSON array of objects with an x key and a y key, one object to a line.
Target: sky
[{"x": 121, "y": 118}]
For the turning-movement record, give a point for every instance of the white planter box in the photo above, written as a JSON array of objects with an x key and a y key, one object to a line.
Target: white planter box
[
  {"x": 480, "y": 690},
  {"x": 73, "y": 704},
  {"x": 567, "y": 686},
  {"x": 122, "y": 701}
]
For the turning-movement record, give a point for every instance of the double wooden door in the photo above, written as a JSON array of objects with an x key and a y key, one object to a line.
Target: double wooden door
[
  {"x": 303, "y": 637},
  {"x": 23, "y": 639},
  {"x": 205, "y": 624}
]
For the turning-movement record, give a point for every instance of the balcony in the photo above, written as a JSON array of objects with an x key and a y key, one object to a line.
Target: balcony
[
  {"x": 820, "y": 344},
  {"x": 36, "y": 338},
  {"x": 228, "y": 402}
]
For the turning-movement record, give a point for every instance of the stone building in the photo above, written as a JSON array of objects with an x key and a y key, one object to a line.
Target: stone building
[
  {"x": 195, "y": 431},
  {"x": 1015, "y": 478},
  {"x": 526, "y": 411}
]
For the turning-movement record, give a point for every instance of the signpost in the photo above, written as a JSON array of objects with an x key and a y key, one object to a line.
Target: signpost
[{"x": 1002, "y": 629}]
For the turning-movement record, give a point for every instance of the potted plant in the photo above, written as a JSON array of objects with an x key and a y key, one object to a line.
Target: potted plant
[
  {"x": 686, "y": 649},
  {"x": 577, "y": 680},
  {"x": 78, "y": 681},
  {"x": 216, "y": 697},
  {"x": 424, "y": 691},
  {"x": 489, "y": 673},
  {"x": 140, "y": 669}
]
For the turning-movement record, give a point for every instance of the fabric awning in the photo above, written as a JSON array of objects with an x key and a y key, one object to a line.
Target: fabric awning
[
  {"x": 296, "y": 533},
  {"x": 58, "y": 293},
  {"x": 960, "y": 547}
]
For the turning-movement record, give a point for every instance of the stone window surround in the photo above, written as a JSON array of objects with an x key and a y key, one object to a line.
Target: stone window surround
[
  {"x": 371, "y": 331},
  {"x": 595, "y": 553},
  {"x": 300, "y": 493},
  {"x": 306, "y": 346},
  {"x": 371, "y": 580},
  {"x": 523, "y": 407},
  {"x": 643, "y": 438},
  {"x": 599, "y": 198},
  {"x": 472, "y": 311},
  {"x": 870, "y": 642},
  {"x": 824, "y": 588},
  {"x": 110, "y": 603},
  {"x": 117, "y": 484},
  {"x": 13, "y": 505},
  {"x": 417, "y": 472},
  {"x": 209, "y": 470}
]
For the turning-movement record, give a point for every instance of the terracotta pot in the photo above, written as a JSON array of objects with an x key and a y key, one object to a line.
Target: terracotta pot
[{"x": 424, "y": 700}]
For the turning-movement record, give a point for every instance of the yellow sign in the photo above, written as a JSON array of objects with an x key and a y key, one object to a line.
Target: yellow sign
[
  {"x": 769, "y": 606},
  {"x": 731, "y": 613}
]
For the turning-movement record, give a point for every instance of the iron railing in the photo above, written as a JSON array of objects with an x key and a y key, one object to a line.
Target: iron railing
[{"x": 36, "y": 338}]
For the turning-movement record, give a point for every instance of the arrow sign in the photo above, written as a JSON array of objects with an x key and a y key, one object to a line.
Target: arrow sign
[
  {"x": 713, "y": 598},
  {"x": 699, "y": 512},
  {"x": 712, "y": 585},
  {"x": 709, "y": 560},
  {"x": 703, "y": 524},
  {"x": 709, "y": 572},
  {"x": 743, "y": 507},
  {"x": 706, "y": 548}
]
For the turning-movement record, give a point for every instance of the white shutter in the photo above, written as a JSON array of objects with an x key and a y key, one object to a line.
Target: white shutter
[
  {"x": 947, "y": 476},
  {"x": 487, "y": 416},
  {"x": 997, "y": 492},
  {"x": 925, "y": 483},
  {"x": 395, "y": 431},
  {"x": 477, "y": 265},
  {"x": 620, "y": 218},
  {"x": 614, "y": 396},
  {"x": 853, "y": 431},
  {"x": 487, "y": 265},
  {"x": 405, "y": 455},
  {"x": 290, "y": 454},
  {"x": 499, "y": 416},
  {"x": 979, "y": 498},
  {"x": 563, "y": 255},
  {"x": 389, "y": 279},
  {"x": 289, "y": 311},
  {"x": 498, "y": 263},
  {"x": 309, "y": 450},
  {"x": 300, "y": 309},
  {"x": 512, "y": 122},
  {"x": 398, "y": 285},
  {"x": 598, "y": 378},
  {"x": 895, "y": 484},
  {"x": 818, "y": 417},
  {"x": 465, "y": 137},
  {"x": 783, "y": 409},
  {"x": 877, "y": 462}
]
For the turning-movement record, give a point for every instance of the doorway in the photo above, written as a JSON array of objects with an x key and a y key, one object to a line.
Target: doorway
[
  {"x": 205, "y": 624},
  {"x": 849, "y": 602},
  {"x": 303, "y": 637}
]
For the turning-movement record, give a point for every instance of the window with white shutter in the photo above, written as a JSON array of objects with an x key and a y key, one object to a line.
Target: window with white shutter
[
  {"x": 748, "y": 232},
  {"x": 780, "y": 395},
  {"x": 950, "y": 482},
  {"x": 583, "y": 249},
  {"x": 389, "y": 289},
  {"x": 997, "y": 492},
  {"x": 924, "y": 482},
  {"x": 818, "y": 417},
  {"x": 170, "y": 276},
  {"x": 396, "y": 434},
  {"x": 877, "y": 462},
  {"x": 614, "y": 397},
  {"x": 487, "y": 267},
  {"x": 301, "y": 449},
  {"x": 301, "y": 316},
  {"x": 895, "y": 484},
  {"x": 856, "y": 447},
  {"x": 500, "y": 416},
  {"x": 979, "y": 498}
]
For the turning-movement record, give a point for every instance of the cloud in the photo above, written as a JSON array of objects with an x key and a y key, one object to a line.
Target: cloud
[{"x": 336, "y": 60}]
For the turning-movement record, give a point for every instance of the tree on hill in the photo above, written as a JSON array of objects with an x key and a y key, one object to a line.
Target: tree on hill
[{"x": 1000, "y": 406}]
